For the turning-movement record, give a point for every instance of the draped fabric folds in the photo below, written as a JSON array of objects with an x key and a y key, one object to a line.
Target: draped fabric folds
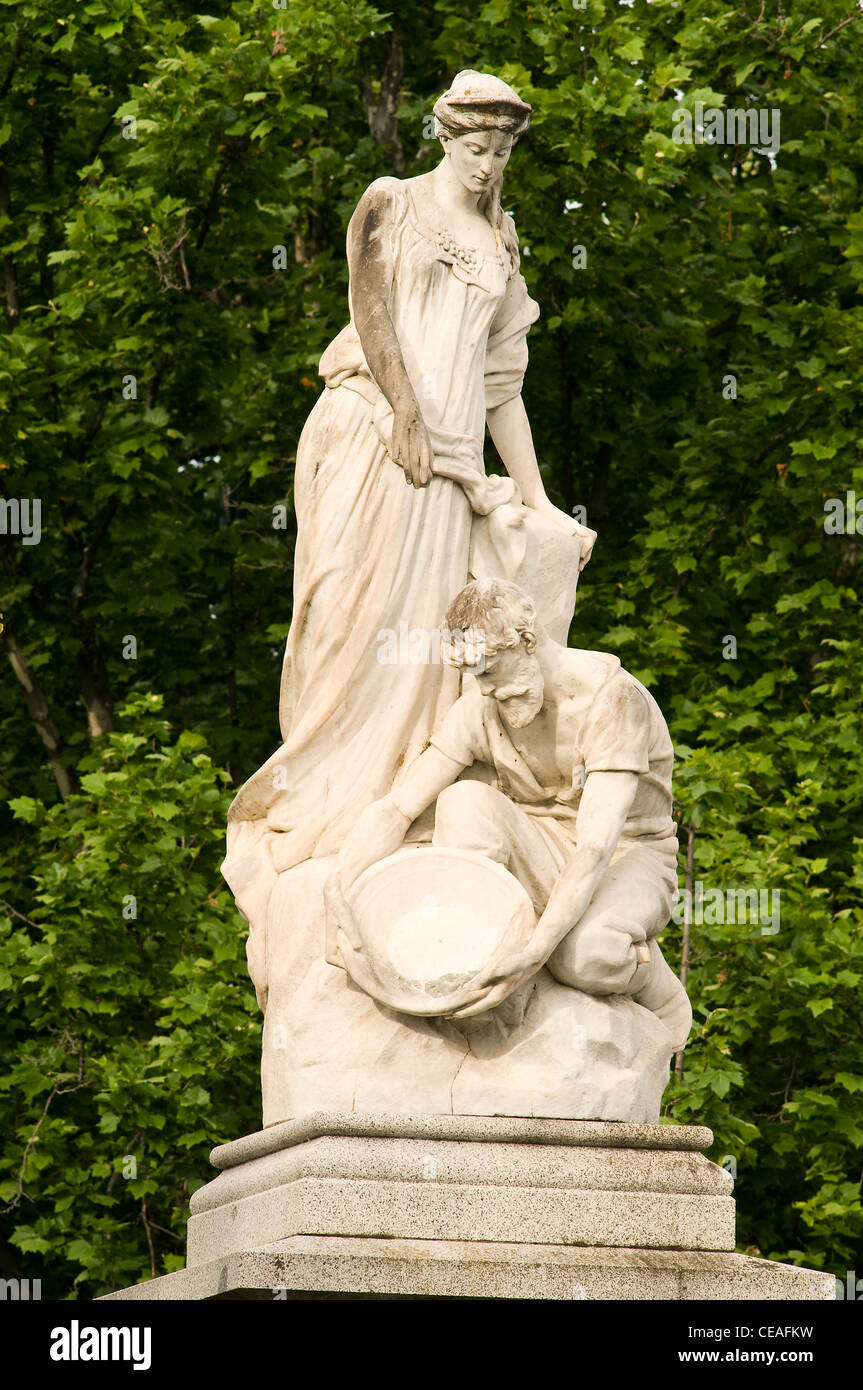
[{"x": 376, "y": 557}]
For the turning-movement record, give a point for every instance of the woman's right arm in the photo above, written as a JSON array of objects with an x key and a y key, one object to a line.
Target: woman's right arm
[{"x": 371, "y": 282}]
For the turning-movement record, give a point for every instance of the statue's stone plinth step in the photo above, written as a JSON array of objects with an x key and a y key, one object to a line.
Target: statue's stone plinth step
[
  {"x": 488, "y": 1164},
  {"x": 305, "y": 1266},
  {"x": 512, "y": 1129},
  {"x": 465, "y": 1178},
  {"x": 336, "y": 1205},
  {"x": 464, "y": 1212}
]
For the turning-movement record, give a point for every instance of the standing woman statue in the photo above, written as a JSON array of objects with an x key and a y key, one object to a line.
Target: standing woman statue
[{"x": 394, "y": 510}]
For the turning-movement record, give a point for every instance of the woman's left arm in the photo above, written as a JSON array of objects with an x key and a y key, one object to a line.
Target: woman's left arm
[{"x": 509, "y": 428}]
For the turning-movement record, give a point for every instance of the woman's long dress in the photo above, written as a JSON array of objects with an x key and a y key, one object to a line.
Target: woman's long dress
[{"x": 377, "y": 561}]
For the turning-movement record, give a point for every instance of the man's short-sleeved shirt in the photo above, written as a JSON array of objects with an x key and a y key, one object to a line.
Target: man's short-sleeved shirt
[{"x": 620, "y": 730}]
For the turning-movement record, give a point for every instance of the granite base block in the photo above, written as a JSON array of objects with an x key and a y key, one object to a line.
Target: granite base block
[
  {"x": 336, "y": 1205},
  {"x": 304, "y": 1267}
]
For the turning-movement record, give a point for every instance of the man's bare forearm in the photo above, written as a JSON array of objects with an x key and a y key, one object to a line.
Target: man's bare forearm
[
  {"x": 382, "y": 826},
  {"x": 602, "y": 812},
  {"x": 568, "y": 900},
  {"x": 378, "y": 832}
]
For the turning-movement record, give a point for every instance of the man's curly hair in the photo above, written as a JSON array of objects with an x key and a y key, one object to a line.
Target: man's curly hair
[{"x": 498, "y": 610}]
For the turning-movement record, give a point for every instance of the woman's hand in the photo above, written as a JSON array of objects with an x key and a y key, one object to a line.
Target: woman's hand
[
  {"x": 566, "y": 523},
  {"x": 411, "y": 446},
  {"x": 510, "y": 431}
]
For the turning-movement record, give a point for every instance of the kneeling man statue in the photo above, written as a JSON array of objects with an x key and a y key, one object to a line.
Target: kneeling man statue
[{"x": 556, "y": 763}]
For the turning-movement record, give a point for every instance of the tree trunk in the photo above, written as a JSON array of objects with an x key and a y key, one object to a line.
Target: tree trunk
[
  {"x": 39, "y": 710},
  {"x": 381, "y": 113},
  {"x": 687, "y": 924},
  {"x": 95, "y": 685},
  {"x": 12, "y": 304}
]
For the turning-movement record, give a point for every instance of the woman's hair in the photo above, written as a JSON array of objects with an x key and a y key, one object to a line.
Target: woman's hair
[{"x": 481, "y": 101}]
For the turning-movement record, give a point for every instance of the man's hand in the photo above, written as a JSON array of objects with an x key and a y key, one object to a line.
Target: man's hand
[
  {"x": 514, "y": 961},
  {"x": 378, "y": 832},
  {"x": 517, "y": 964},
  {"x": 514, "y": 971},
  {"x": 411, "y": 446}
]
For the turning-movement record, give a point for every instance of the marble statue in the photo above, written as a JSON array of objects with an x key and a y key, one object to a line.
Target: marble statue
[
  {"x": 578, "y": 807},
  {"x": 394, "y": 509},
  {"x": 539, "y": 778}
]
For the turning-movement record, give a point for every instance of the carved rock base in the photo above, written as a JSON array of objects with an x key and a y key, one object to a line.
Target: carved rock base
[{"x": 547, "y": 1051}]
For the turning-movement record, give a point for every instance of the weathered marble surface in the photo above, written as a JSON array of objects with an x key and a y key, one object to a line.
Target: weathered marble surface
[{"x": 547, "y": 1051}]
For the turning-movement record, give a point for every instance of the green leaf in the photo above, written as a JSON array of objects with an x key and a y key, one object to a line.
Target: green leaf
[{"x": 817, "y": 1007}]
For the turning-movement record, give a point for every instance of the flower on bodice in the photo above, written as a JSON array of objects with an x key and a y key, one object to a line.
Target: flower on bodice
[{"x": 467, "y": 261}]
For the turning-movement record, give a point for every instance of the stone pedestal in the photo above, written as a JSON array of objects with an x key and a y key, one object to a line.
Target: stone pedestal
[{"x": 457, "y": 1206}]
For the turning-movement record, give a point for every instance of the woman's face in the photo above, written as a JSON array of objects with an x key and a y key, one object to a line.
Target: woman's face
[{"x": 479, "y": 157}]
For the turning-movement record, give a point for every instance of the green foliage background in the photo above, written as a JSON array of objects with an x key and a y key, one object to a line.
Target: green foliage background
[{"x": 137, "y": 1037}]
